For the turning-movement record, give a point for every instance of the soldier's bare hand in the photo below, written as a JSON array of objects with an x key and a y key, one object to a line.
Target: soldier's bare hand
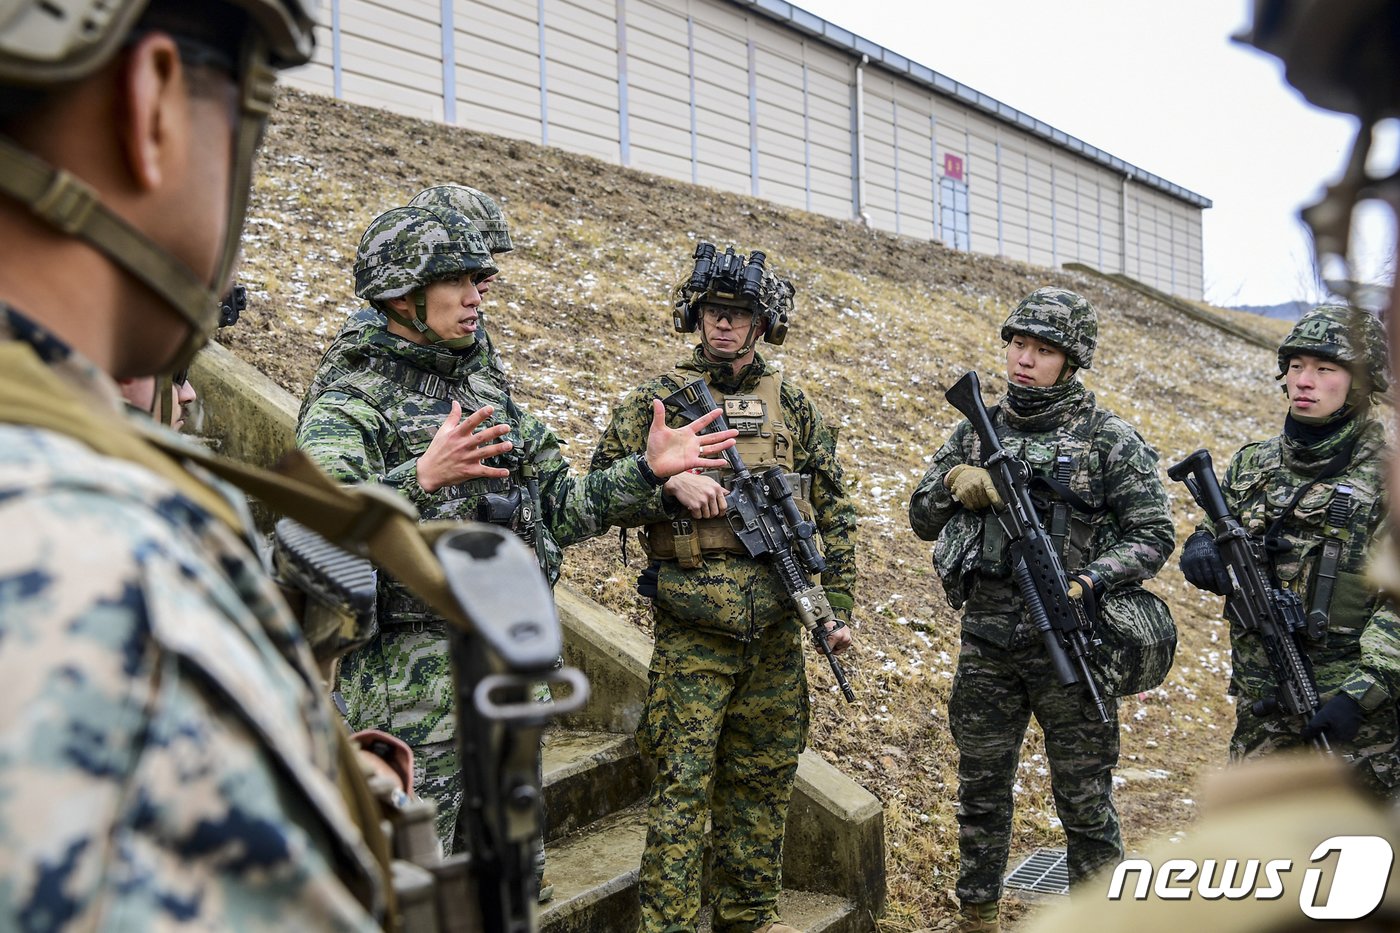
[
  {"x": 457, "y": 449},
  {"x": 838, "y": 639},
  {"x": 700, "y": 494},
  {"x": 675, "y": 450}
]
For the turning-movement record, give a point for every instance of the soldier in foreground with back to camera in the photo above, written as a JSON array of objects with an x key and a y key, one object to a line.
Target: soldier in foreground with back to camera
[
  {"x": 395, "y": 416},
  {"x": 1313, "y": 498},
  {"x": 1099, "y": 496},
  {"x": 726, "y": 713},
  {"x": 1343, "y": 57},
  {"x": 170, "y": 759}
]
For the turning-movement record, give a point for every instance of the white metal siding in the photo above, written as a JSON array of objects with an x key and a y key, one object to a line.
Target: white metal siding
[
  {"x": 765, "y": 109},
  {"x": 581, "y": 58}
]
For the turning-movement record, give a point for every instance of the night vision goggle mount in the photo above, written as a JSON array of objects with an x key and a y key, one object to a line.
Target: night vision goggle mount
[{"x": 730, "y": 280}]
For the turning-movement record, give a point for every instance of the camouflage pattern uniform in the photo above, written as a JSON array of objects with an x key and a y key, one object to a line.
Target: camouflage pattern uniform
[
  {"x": 727, "y": 709},
  {"x": 1359, "y": 654},
  {"x": 1003, "y": 673},
  {"x": 169, "y": 758},
  {"x": 371, "y": 424}
]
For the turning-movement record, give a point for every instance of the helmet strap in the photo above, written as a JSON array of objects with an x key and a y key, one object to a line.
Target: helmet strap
[
  {"x": 419, "y": 322},
  {"x": 72, "y": 207},
  {"x": 163, "y": 402}
]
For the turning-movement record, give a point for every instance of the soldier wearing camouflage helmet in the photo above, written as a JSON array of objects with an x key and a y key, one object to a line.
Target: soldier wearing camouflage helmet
[
  {"x": 1343, "y": 57},
  {"x": 726, "y": 714},
  {"x": 490, "y": 221},
  {"x": 394, "y": 415},
  {"x": 1098, "y": 493},
  {"x": 170, "y": 759},
  {"x": 1315, "y": 494}
]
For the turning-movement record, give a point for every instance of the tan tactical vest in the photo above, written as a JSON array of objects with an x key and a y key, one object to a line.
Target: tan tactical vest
[{"x": 764, "y": 441}]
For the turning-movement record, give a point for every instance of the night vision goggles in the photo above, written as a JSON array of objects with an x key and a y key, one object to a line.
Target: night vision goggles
[{"x": 729, "y": 280}]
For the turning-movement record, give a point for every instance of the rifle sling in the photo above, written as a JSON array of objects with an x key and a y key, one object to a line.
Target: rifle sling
[
  {"x": 1061, "y": 491},
  {"x": 1331, "y": 468}
]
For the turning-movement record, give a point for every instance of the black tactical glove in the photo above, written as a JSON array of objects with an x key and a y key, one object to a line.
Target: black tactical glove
[
  {"x": 1202, "y": 566},
  {"x": 647, "y": 580},
  {"x": 1340, "y": 719}
]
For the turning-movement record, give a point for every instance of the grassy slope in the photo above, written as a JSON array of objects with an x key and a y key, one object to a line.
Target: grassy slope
[{"x": 883, "y": 325}]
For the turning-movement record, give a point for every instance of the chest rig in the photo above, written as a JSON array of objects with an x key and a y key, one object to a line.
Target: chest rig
[
  {"x": 764, "y": 441},
  {"x": 511, "y": 502},
  {"x": 1317, "y": 526},
  {"x": 1061, "y": 485}
]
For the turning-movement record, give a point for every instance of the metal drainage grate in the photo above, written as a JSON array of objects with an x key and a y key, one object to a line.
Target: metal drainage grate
[{"x": 1043, "y": 872}]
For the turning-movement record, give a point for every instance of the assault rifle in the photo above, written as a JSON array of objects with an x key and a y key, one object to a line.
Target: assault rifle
[
  {"x": 1035, "y": 562},
  {"x": 764, "y": 517},
  {"x": 1272, "y": 614},
  {"x": 513, "y": 642}
]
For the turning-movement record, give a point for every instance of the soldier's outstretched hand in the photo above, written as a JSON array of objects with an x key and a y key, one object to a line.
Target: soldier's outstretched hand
[
  {"x": 675, "y": 450},
  {"x": 458, "y": 449}
]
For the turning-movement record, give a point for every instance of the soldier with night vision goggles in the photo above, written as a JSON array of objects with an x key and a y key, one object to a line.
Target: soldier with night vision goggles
[
  {"x": 726, "y": 712},
  {"x": 391, "y": 412}
]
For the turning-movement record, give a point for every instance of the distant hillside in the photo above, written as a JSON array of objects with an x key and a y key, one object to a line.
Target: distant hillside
[
  {"x": 1287, "y": 311},
  {"x": 882, "y": 326}
]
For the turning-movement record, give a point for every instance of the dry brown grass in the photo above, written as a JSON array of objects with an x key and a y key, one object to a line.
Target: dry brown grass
[{"x": 883, "y": 326}]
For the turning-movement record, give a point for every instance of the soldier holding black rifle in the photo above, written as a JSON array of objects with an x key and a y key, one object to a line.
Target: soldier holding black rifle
[{"x": 1098, "y": 525}]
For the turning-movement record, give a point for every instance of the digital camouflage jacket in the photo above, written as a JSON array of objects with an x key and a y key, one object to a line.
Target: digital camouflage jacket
[
  {"x": 1125, "y": 540},
  {"x": 733, "y": 594},
  {"x": 370, "y": 425},
  {"x": 344, "y": 354},
  {"x": 169, "y": 756},
  {"x": 1361, "y": 654}
]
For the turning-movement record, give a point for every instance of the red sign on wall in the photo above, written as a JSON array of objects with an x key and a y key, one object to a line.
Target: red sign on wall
[{"x": 953, "y": 166}]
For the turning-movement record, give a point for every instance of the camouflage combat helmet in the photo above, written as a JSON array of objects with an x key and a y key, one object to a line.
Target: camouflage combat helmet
[
  {"x": 477, "y": 206},
  {"x": 1351, "y": 337},
  {"x": 56, "y": 42},
  {"x": 1060, "y": 318},
  {"x": 728, "y": 280},
  {"x": 405, "y": 249}
]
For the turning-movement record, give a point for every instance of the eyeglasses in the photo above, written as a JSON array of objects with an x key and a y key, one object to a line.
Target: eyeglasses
[{"x": 735, "y": 316}]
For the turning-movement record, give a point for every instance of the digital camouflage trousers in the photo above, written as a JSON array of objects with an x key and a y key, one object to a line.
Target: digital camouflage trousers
[
  {"x": 725, "y": 722},
  {"x": 995, "y": 692}
]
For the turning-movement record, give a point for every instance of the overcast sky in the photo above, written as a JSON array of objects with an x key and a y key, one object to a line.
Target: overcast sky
[{"x": 1159, "y": 85}]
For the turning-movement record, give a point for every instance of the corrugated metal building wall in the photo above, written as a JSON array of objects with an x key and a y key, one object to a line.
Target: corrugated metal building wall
[{"x": 761, "y": 97}]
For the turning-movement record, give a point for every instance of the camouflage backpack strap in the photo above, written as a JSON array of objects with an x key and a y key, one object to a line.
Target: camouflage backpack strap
[
  {"x": 32, "y": 395},
  {"x": 1056, "y": 485}
]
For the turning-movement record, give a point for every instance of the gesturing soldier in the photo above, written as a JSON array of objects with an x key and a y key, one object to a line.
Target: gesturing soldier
[
  {"x": 726, "y": 716},
  {"x": 395, "y": 416},
  {"x": 1315, "y": 494},
  {"x": 1101, "y": 495}
]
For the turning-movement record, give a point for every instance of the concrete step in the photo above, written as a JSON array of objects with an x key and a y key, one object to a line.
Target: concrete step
[
  {"x": 595, "y": 876},
  {"x": 587, "y": 777},
  {"x": 812, "y": 913},
  {"x": 595, "y": 886}
]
